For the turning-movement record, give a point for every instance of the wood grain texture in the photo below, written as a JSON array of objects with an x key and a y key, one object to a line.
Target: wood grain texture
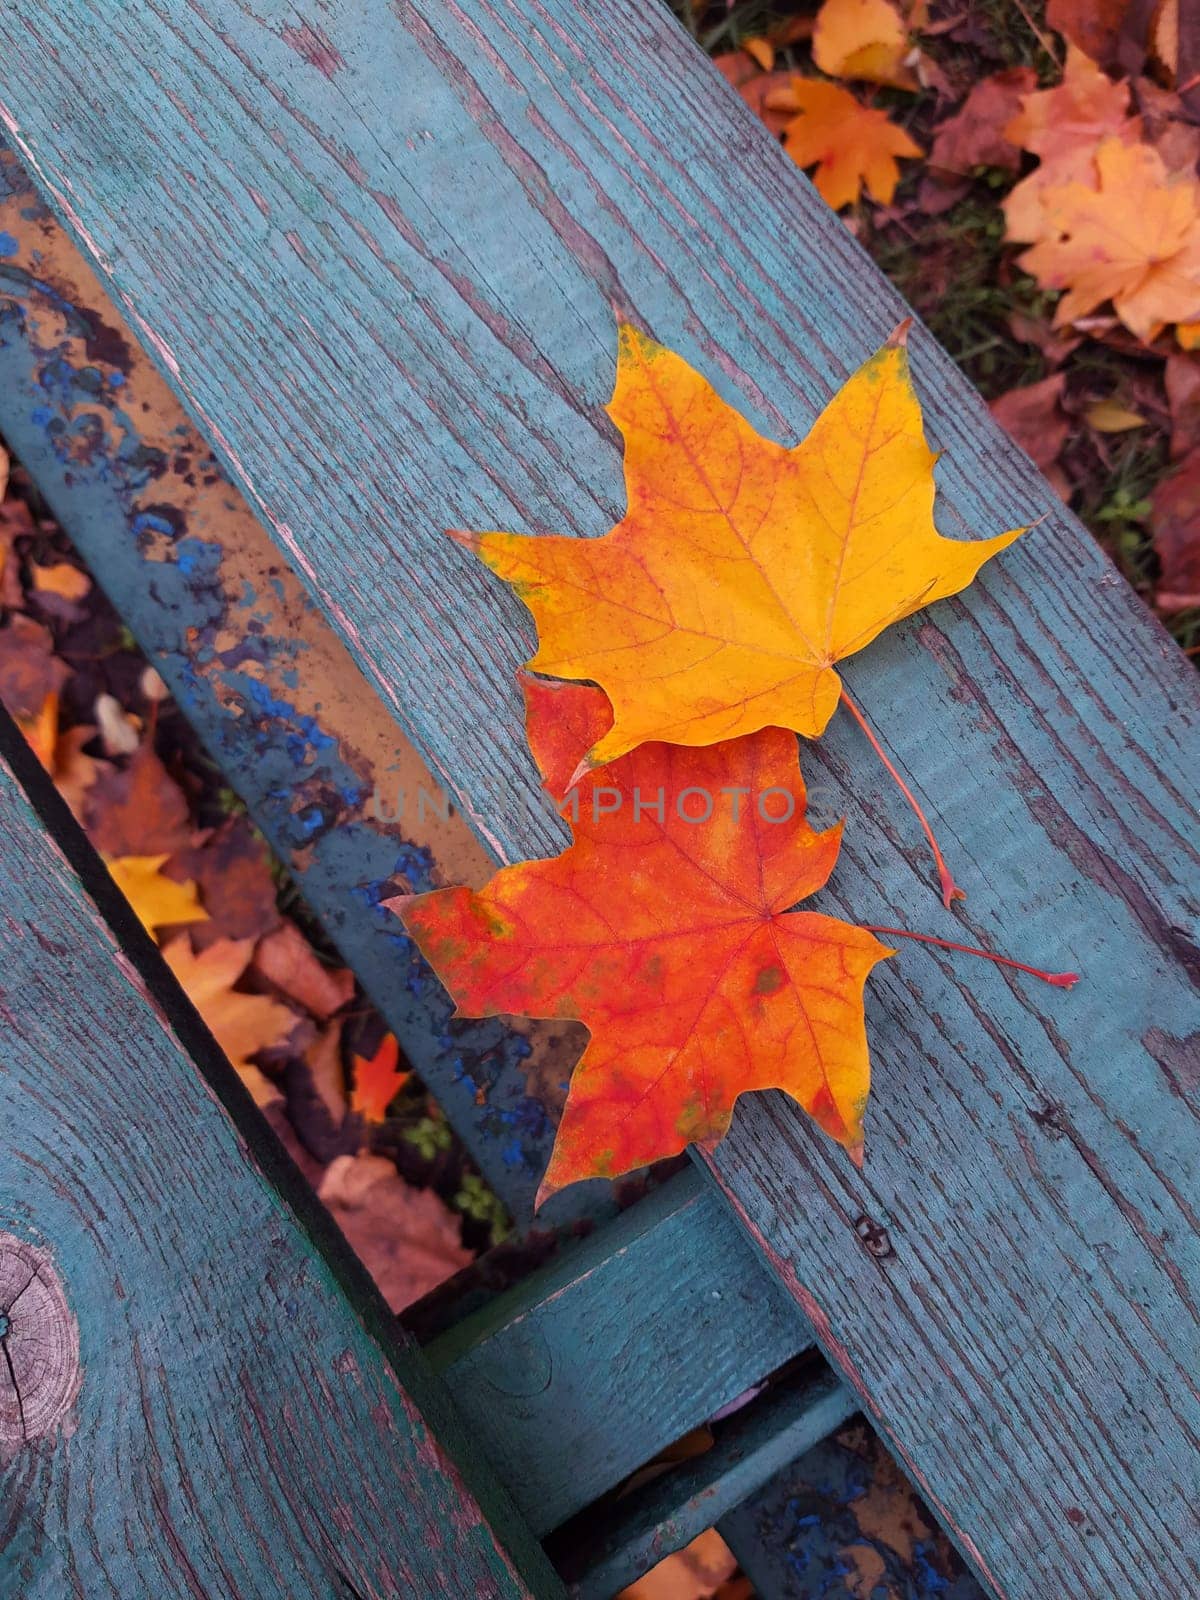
[
  {"x": 577, "y": 1377},
  {"x": 381, "y": 274},
  {"x": 189, "y": 1404}
]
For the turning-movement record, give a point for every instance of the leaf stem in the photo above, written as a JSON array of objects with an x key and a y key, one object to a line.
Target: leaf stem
[
  {"x": 950, "y": 889},
  {"x": 1060, "y": 980}
]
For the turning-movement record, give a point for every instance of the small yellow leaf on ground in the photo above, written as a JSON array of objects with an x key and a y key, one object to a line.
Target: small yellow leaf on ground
[
  {"x": 1107, "y": 416},
  {"x": 1188, "y": 334},
  {"x": 849, "y": 143},
  {"x": 62, "y": 579},
  {"x": 864, "y": 39},
  {"x": 241, "y": 1023},
  {"x": 760, "y": 50},
  {"x": 159, "y": 902},
  {"x": 1132, "y": 238}
]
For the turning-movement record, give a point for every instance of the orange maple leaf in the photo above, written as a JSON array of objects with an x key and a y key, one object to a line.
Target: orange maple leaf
[
  {"x": 850, "y": 144},
  {"x": 665, "y": 928},
  {"x": 377, "y": 1080},
  {"x": 1133, "y": 238},
  {"x": 1063, "y": 126},
  {"x": 242, "y": 1024},
  {"x": 864, "y": 39},
  {"x": 742, "y": 569}
]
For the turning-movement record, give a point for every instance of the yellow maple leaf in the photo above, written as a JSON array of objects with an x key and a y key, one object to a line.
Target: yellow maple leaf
[
  {"x": 158, "y": 901},
  {"x": 1133, "y": 238},
  {"x": 242, "y": 1024},
  {"x": 742, "y": 569},
  {"x": 849, "y": 143},
  {"x": 864, "y": 39}
]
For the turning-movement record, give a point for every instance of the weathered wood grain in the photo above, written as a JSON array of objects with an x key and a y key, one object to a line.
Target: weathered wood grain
[
  {"x": 380, "y": 272},
  {"x": 190, "y": 1404},
  {"x": 615, "y": 1350}
]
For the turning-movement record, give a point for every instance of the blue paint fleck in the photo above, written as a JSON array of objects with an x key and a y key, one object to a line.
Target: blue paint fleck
[
  {"x": 8, "y": 245},
  {"x": 40, "y": 416}
]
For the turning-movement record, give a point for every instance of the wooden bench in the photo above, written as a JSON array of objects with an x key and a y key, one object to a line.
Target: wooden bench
[{"x": 373, "y": 249}]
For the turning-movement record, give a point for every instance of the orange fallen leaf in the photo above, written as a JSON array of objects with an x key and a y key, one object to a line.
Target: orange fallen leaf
[
  {"x": 377, "y": 1080},
  {"x": 74, "y": 770},
  {"x": 761, "y": 51},
  {"x": 242, "y": 1024},
  {"x": 61, "y": 579},
  {"x": 286, "y": 959},
  {"x": 849, "y": 143},
  {"x": 697, "y": 1572},
  {"x": 671, "y": 939},
  {"x": 743, "y": 569},
  {"x": 159, "y": 902},
  {"x": 1063, "y": 126},
  {"x": 1133, "y": 238},
  {"x": 41, "y": 731},
  {"x": 863, "y": 39},
  {"x": 1188, "y": 335}
]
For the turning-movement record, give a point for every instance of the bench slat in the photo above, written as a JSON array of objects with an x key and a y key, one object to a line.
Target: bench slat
[
  {"x": 580, "y": 1375},
  {"x": 194, "y": 1399},
  {"x": 376, "y": 254}
]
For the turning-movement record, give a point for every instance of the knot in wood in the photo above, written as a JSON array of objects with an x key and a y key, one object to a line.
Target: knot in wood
[{"x": 39, "y": 1346}]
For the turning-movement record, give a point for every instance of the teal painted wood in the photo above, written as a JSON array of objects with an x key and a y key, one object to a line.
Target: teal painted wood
[
  {"x": 750, "y": 1448},
  {"x": 247, "y": 657},
  {"x": 842, "y": 1524},
  {"x": 408, "y": 225},
  {"x": 200, "y": 1392},
  {"x": 626, "y": 1341}
]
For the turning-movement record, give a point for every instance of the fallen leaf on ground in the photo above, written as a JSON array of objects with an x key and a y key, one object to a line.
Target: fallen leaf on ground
[
  {"x": 1063, "y": 126},
  {"x": 159, "y": 902},
  {"x": 850, "y": 144},
  {"x": 286, "y": 959},
  {"x": 1182, "y": 378},
  {"x": 61, "y": 579},
  {"x": 138, "y": 809},
  {"x": 1084, "y": 108},
  {"x": 696, "y": 1572},
  {"x": 74, "y": 770},
  {"x": 1055, "y": 344},
  {"x": 671, "y": 939},
  {"x": 233, "y": 868},
  {"x": 1133, "y": 239},
  {"x": 29, "y": 669},
  {"x": 41, "y": 732},
  {"x": 1175, "y": 529},
  {"x": 378, "y": 1079},
  {"x": 1034, "y": 418},
  {"x": 975, "y": 136},
  {"x": 743, "y": 569},
  {"x": 1109, "y": 416},
  {"x": 754, "y": 85},
  {"x": 1188, "y": 334},
  {"x": 324, "y": 1061},
  {"x": 760, "y": 50},
  {"x": 863, "y": 39},
  {"x": 242, "y": 1024},
  {"x": 1092, "y": 25},
  {"x": 1165, "y": 125},
  {"x": 408, "y": 1239}
]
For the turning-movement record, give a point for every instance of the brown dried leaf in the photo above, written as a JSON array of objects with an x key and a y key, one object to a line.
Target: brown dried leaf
[
  {"x": 138, "y": 810},
  {"x": 1093, "y": 25},
  {"x": 233, "y": 869},
  {"x": 408, "y": 1239},
  {"x": 1175, "y": 529},
  {"x": 287, "y": 960},
  {"x": 1033, "y": 417},
  {"x": 974, "y": 136},
  {"x": 1182, "y": 378},
  {"x": 29, "y": 669}
]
